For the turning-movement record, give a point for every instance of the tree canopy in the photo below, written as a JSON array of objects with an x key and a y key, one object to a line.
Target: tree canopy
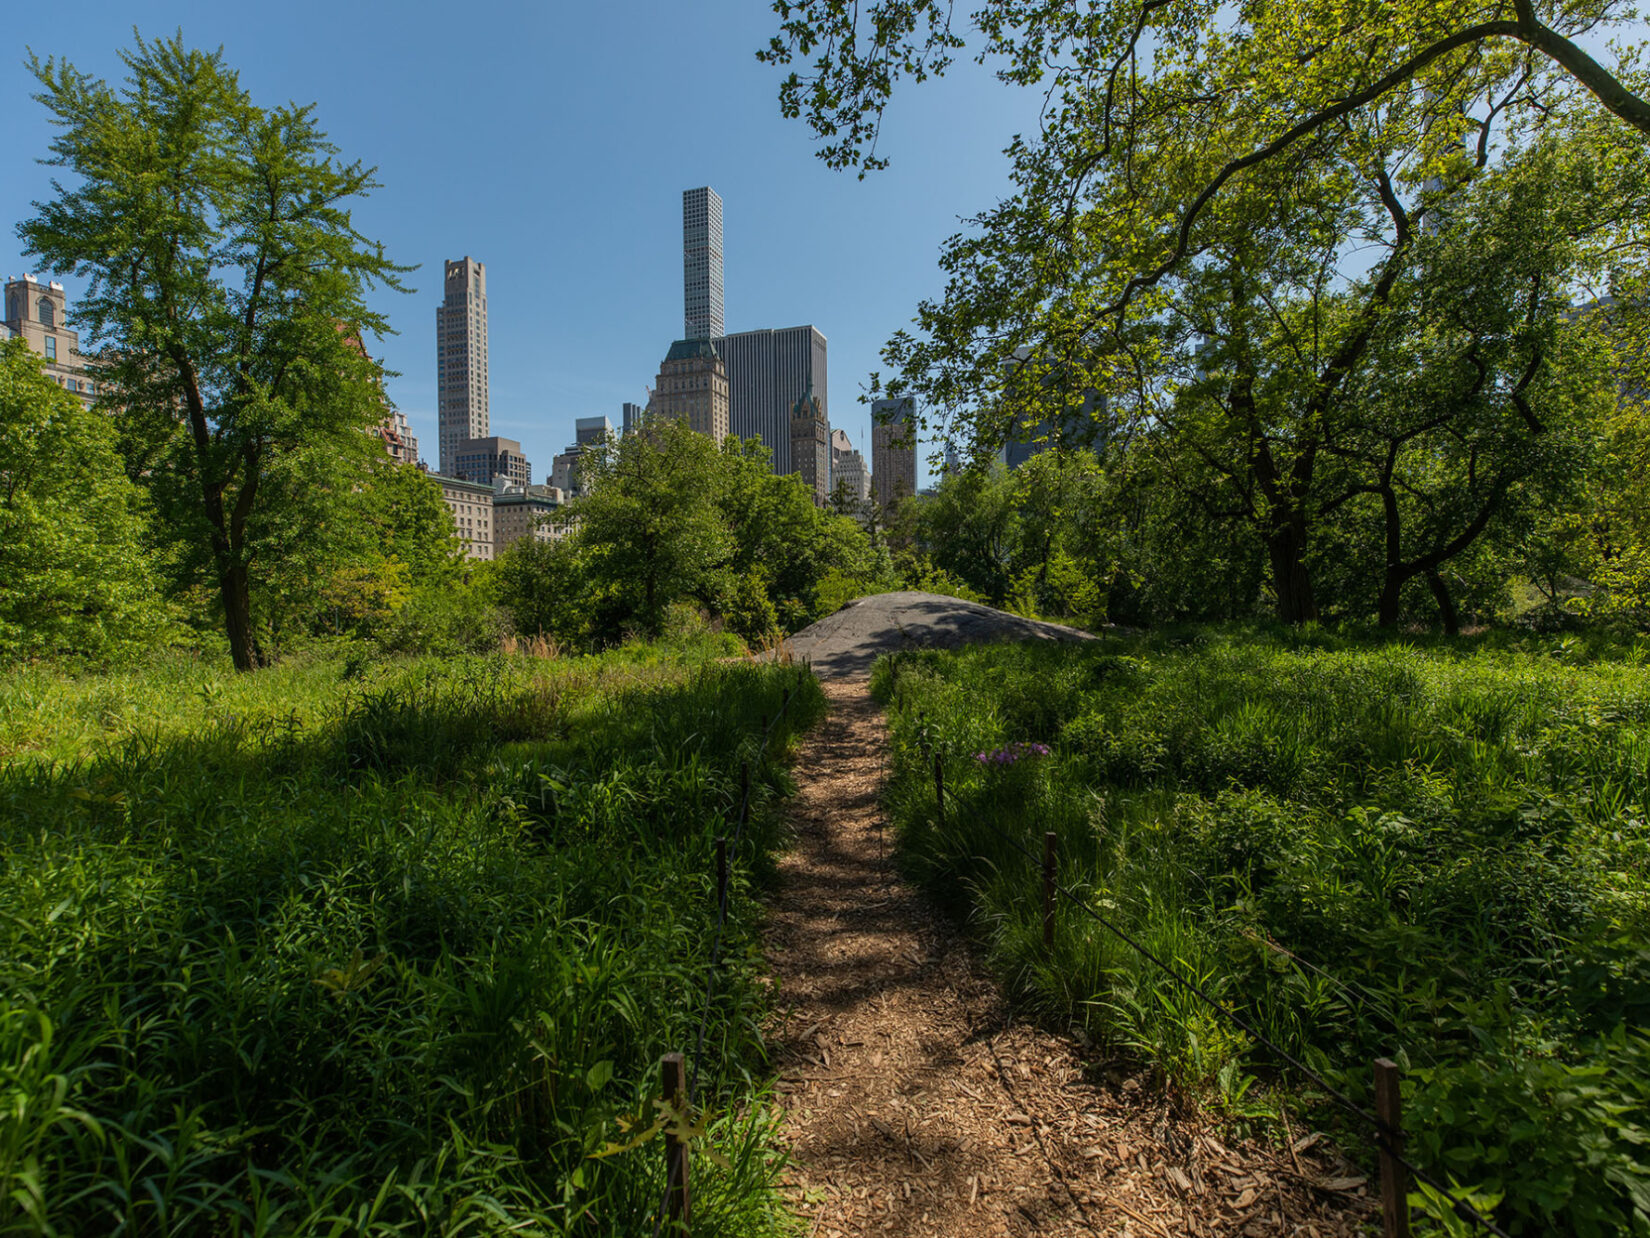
[
  {"x": 1325, "y": 263},
  {"x": 77, "y": 573},
  {"x": 227, "y": 291}
]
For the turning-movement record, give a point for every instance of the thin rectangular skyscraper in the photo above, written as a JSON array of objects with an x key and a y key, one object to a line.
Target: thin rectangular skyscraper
[
  {"x": 701, "y": 264},
  {"x": 461, "y": 359}
]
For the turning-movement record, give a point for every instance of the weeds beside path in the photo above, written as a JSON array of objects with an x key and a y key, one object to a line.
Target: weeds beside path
[{"x": 916, "y": 1105}]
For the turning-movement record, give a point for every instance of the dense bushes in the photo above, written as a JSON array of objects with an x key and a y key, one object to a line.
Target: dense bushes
[
  {"x": 386, "y": 948},
  {"x": 76, "y": 565},
  {"x": 1456, "y": 835},
  {"x": 669, "y": 519}
]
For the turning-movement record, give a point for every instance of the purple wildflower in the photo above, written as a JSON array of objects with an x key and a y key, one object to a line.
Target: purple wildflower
[{"x": 1011, "y": 753}]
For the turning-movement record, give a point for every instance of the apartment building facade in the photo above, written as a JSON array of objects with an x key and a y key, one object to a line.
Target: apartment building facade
[{"x": 461, "y": 360}]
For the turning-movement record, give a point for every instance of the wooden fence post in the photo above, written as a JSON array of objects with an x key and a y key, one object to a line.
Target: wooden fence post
[
  {"x": 721, "y": 874},
  {"x": 1049, "y": 844},
  {"x": 678, "y": 1210},
  {"x": 939, "y": 787},
  {"x": 1394, "y": 1181}
]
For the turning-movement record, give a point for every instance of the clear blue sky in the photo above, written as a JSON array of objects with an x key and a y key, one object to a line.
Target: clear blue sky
[{"x": 552, "y": 142}]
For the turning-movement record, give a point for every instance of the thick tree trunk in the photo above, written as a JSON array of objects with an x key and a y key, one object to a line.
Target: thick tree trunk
[
  {"x": 1446, "y": 604},
  {"x": 1392, "y": 585},
  {"x": 1392, "y": 588},
  {"x": 1286, "y": 545},
  {"x": 237, "y": 613}
]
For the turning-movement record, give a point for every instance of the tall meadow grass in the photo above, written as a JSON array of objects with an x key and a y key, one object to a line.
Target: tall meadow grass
[
  {"x": 1438, "y": 852},
  {"x": 378, "y": 947}
]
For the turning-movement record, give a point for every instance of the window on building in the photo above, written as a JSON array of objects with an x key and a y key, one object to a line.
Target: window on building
[
  {"x": 51, "y": 342},
  {"x": 48, "y": 313}
]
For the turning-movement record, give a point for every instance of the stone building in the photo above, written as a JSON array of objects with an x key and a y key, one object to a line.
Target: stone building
[
  {"x": 398, "y": 437},
  {"x": 529, "y": 511},
  {"x": 893, "y": 450},
  {"x": 39, "y": 314},
  {"x": 461, "y": 360},
  {"x": 471, "y": 504},
  {"x": 848, "y": 468},
  {"x": 811, "y": 446},
  {"x": 693, "y": 386},
  {"x": 564, "y": 471}
]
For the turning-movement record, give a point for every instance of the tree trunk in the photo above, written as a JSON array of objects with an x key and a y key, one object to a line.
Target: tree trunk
[
  {"x": 1446, "y": 604},
  {"x": 1392, "y": 588},
  {"x": 237, "y": 613},
  {"x": 1286, "y": 544},
  {"x": 1392, "y": 584}
]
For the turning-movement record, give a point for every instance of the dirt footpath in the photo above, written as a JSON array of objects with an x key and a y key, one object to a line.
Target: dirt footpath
[{"x": 916, "y": 1105}]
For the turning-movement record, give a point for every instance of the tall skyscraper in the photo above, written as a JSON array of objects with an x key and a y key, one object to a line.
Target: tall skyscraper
[
  {"x": 632, "y": 415},
  {"x": 591, "y": 431},
  {"x": 461, "y": 359},
  {"x": 893, "y": 450},
  {"x": 767, "y": 373},
  {"x": 693, "y": 386},
  {"x": 811, "y": 446},
  {"x": 701, "y": 264}
]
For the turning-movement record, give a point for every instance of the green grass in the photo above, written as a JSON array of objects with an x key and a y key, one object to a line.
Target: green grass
[
  {"x": 382, "y": 948},
  {"x": 1453, "y": 834}
]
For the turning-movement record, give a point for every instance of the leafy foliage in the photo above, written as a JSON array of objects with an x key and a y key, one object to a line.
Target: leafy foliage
[
  {"x": 389, "y": 948},
  {"x": 227, "y": 287},
  {"x": 77, "y": 574},
  {"x": 668, "y": 519},
  {"x": 1438, "y": 853}
]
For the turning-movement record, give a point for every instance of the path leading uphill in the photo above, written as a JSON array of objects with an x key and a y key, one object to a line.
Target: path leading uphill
[
  {"x": 915, "y": 1104},
  {"x": 843, "y": 645}
]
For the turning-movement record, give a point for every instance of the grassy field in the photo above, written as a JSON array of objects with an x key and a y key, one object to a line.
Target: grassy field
[
  {"x": 358, "y": 947},
  {"x": 1436, "y": 852}
]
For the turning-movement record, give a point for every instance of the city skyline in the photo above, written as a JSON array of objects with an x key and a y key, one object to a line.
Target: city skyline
[{"x": 584, "y": 287}]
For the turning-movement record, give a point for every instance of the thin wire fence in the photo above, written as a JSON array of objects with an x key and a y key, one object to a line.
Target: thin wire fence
[{"x": 713, "y": 965}]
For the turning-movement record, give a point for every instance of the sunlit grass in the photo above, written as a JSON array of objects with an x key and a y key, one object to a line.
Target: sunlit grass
[
  {"x": 1455, "y": 832},
  {"x": 376, "y": 947}
]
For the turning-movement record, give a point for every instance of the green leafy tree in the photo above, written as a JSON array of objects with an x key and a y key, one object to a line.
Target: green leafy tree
[
  {"x": 649, "y": 522},
  {"x": 410, "y": 521},
  {"x": 1119, "y": 73},
  {"x": 778, "y": 536},
  {"x": 966, "y": 530},
  {"x": 76, "y": 574},
  {"x": 1217, "y": 215},
  {"x": 226, "y": 280},
  {"x": 547, "y": 589}
]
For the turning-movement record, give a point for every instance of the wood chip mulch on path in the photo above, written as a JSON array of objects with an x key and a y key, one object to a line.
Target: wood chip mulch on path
[{"x": 915, "y": 1104}]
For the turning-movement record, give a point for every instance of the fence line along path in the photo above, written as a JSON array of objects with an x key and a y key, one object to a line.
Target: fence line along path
[{"x": 915, "y": 1105}]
